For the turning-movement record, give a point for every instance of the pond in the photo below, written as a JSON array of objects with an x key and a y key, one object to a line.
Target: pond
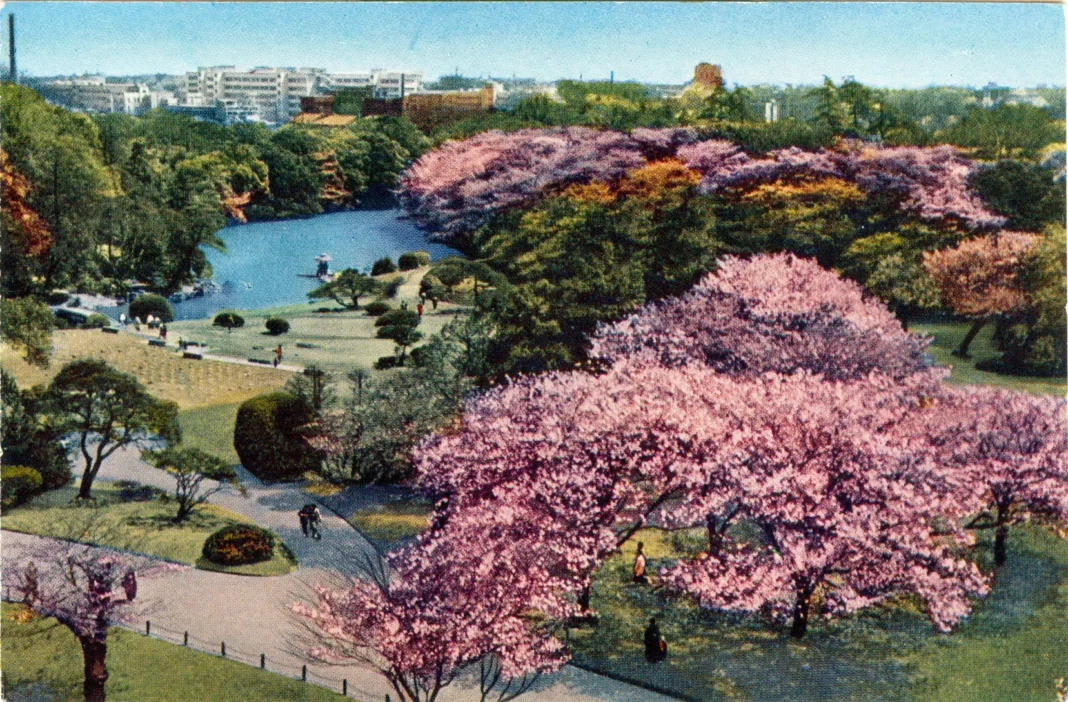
[{"x": 268, "y": 264}]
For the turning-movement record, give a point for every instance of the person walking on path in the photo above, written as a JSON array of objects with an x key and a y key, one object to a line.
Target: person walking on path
[
  {"x": 639, "y": 565},
  {"x": 420, "y": 308},
  {"x": 163, "y": 332},
  {"x": 303, "y": 514},
  {"x": 277, "y": 355},
  {"x": 655, "y": 646},
  {"x": 315, "y": 520}
]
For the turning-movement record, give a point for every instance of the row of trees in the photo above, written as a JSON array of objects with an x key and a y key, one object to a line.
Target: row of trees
[
  {"x": 587, "y": 225},
  {"x": 777, "y": 407},
  {"x": 93, "y": 202}
]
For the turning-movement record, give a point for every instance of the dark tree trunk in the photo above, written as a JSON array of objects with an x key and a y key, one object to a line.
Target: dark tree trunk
[
  {"x": 715, "y": 539},
  {"x": 800, "y": 624},
  {"x": 1001, "y": 538},
  {"x": 962, "y": 351},
  {"x": 96, "y": 670},
  {"x": 84, "y": 492},
  {"x": 584, "y": 599}
]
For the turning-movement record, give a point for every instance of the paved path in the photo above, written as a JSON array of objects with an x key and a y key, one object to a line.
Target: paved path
[{"x": 251, "y": 614}]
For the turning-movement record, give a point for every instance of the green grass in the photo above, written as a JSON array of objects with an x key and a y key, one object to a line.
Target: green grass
[
  {"x": 146, "y": 526},
  {"x": 43, "y": 661},
  {"x": 211, "y": 429},
  {"x": 393, "y": 524},
  {"x": 948, "y": 335},
  {"x": 1014, "y": 646},
  {"x": 337, "y": 341}
]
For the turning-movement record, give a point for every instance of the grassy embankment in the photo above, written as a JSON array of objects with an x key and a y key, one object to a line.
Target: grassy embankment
[
  {"x": 43, "y": 661},
  {"x": 948, "y": 335},
  {"x": 139, "y": 520}
]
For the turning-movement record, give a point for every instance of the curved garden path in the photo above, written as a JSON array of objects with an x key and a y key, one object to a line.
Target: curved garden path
[{"x": 251, "y": 614}]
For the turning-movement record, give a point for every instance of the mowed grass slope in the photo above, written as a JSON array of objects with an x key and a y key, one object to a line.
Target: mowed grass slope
[
  {"x": 947, "y": 337},
  {"x": 164, "y": 372},
  {"x": 43, "y": 661}
]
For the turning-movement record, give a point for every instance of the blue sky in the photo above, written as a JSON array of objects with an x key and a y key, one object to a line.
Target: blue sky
[{"x": 885, "y": 45}]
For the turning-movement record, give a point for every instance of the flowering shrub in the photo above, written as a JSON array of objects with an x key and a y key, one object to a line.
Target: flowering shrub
[{"x": 239, "y": 545}]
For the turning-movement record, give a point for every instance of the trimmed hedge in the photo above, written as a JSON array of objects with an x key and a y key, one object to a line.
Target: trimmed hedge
[
  {"x": 152, "y": 304},
  {"x": 383, "y": 266},
  {"x": 376, "y": 308},
  {"x": 19, "y": 484},
  {"x": 413, "y": 259},
  {"x": 228, "y": 320},
  {"x": 96, "y": 321},
  {"x": 387, "y": 362},
  {"x": 239, "y": 544},
  {"x": 398, "y": 318},
  {"x": 269, "y": 437},
  {"x": 276, "y": 326}
]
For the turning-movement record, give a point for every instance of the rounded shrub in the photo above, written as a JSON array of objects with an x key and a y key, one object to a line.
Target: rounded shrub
[
  {"x": 228, "y": 320},
  {"x": 276, "y": 326},
  {"x": 96, "y": 321},
  {"x": 413, "y": 259},
  {"x": 18, "y": 484},
  {"x": 152, "y": 304},
  {"x": 387, "y": 362},
  {"x": 58, "y": 297},
  {"x": 449, "y": 275},
  {"x": 383, "y": 266},
  {"x": 376, "y": 308},
  {"x": 393, "y": 287},
  {"x": 398, "y": 318},
  {"x": 239, "y": 544},
  {"x": 269, "y": 436}
]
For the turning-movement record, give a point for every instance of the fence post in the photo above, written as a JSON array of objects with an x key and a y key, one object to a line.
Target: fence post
[
  {"x": 148, "y": 628},
  {"x": 224, "y": 649},
  {"x": 304, "y": 673},
  {"x": 185, "y": 639},
  {"x": 345, "y": 686},
  {"x": 263, "y": 660}
]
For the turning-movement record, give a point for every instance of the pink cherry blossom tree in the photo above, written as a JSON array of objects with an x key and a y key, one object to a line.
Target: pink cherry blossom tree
[
  {"x": 980, "y": 278},
  {"x": 1004, "y": 453},
  {"x": 846, "y": 507},
  {"x": 85, "y": 588},
  {"x": 774, "y": 313}
]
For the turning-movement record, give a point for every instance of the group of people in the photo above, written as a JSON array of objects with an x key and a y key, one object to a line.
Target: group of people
[
  {"x": 150, "y": 321},
  {"x": 310, "y": 521},
  {"x": 655, "y": 646}
]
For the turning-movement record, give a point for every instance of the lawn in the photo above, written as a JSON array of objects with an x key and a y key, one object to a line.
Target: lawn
[
  {"x": 1015, "y": 646},
  {"x": 42, "y": 661},
  {"x": 211, "y": 429},
  {"x": 138, "y": 519},
  {"x": 338, "y": 340},
  {"x": 164, "y": 372},
  {"x": 393, "y": 524},
  {"x": 948, "y": 335}
]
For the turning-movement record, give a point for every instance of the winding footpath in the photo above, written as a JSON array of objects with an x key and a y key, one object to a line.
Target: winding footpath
[{"x": 252, "y": 614}]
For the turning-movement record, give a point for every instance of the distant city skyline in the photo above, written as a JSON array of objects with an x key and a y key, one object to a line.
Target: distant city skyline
[{"x": 906, "y": 45}]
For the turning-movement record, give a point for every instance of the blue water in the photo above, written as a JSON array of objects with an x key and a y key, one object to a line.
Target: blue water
[{"x": 264, "y": 261}]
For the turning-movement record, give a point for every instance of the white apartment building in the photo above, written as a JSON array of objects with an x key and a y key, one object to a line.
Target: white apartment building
[
  {"x": 273, "y": 93},
  {"x": 395, "y": 84},
  {"x": 340, "y": 81}
]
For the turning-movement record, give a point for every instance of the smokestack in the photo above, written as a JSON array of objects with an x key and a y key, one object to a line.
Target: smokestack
[
  {"x": 402, "y": 85},
  {"x": 14, "y": 75},
  {"x": 612, "y": 78}
]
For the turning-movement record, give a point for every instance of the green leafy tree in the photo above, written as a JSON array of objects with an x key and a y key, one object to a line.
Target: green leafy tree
[
  {"x": 1006, "y": 131},
  {"x": 1027, "y": 194},
  {"x": 190, "y": 468},
  {"x": 26, "y": 324},
  {"x": 402, "y": 335},
  {"x": 347, "y": 288},
  {"x": 108, "y": 410}
]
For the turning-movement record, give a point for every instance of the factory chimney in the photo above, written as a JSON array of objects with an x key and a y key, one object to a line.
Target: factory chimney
[{"x": 13, "y": 76}]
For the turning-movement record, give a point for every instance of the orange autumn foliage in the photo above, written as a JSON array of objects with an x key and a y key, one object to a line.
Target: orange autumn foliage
[{"x": 31, "y": 230}]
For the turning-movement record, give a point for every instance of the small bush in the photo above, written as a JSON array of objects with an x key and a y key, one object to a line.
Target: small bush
[
  {"x": 398, "y": 318},
  {"x": 277, "y": 325},
  {"x": 413, "y": 259},
  {"x": 393, "y": 287},
  {"x": 387, "y": 362},
  {"x": 58, "y": 297},
  {"x": 152, "y": 304},
  {"x": 228, "y": 320},
  {"x": 239, "y": 544},
  {"x": 18, "y": 484},
  {"x": 130, "y": 491},
  {"x": 376, "y": 308},
  {"x": 449, "y": 275},
  {"x": 61, "y": 323},
  {"x": 269, "y": 437},
  {"x": 96, "y": 321},
  {"x": 383, "y": 266}
]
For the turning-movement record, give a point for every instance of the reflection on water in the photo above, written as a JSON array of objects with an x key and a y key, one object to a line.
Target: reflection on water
[{"x": 267, "y": 264}]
